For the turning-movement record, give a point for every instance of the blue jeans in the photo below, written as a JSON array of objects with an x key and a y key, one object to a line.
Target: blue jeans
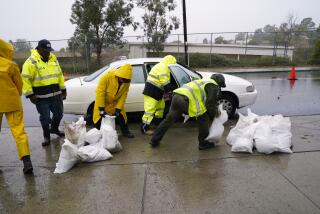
[{"x": 44, "y": 107}]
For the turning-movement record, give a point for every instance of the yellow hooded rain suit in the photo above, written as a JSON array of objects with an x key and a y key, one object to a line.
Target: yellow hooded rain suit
[
  {"x": 157, "y": 83},
  {"x": 108, "y": 93},
  {"x": 10, "y": 101}
]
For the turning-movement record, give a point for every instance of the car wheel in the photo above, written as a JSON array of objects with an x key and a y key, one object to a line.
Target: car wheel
[
  {"x": 228, "y": 103},
  {"x": 89, "y": 116}
]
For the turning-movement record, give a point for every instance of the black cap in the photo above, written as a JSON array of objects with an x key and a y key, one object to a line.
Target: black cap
[
  {"x": 44, "y": 45},
  {"x": 219, "y": 78}
]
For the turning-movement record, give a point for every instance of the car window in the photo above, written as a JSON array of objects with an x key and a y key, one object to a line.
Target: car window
[
  {"x": 149, "y": 66},
  {"x": 138, "y": 75},
  {"x": 95, "y": 74},
  {"x": 193, "y": 74},
  {"x": 181, "y": 76}
]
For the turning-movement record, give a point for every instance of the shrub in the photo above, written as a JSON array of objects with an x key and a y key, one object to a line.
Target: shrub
[{"x": 316, "y": 53}]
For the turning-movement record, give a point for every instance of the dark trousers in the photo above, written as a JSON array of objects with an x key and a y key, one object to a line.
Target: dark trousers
[
  {"x": 119, "y": 120},
  {"x": 44, "y": 107},
  {"x": 180, "y": 105}
]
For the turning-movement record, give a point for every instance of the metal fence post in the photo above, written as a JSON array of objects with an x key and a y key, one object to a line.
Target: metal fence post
[
  {"x": 178, "y": 47},
  {"x": 210, "y": 49},
  {"x": 274, "y": 55},
  {"x": 245, "y": 50}
]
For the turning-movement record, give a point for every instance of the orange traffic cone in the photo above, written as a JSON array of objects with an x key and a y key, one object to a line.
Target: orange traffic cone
[{"x": 292, "y": 75}]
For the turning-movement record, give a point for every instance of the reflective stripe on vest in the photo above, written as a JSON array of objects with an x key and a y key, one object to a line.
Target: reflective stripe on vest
[
  {"x": 195, "y": 91},
  {"x": 48, "y": 95},
  {"x": 155, "y": 84},
  {"x": 33, "y": 61},
  {"x": 194, "y": 97}
]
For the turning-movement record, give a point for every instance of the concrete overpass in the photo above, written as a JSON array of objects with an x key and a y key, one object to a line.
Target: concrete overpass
[{"x": 137, "y": 49}]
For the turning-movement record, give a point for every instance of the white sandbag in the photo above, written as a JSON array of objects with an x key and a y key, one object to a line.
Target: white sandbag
[
  {"x": 273, "y": 135},
  {"x": 75, "y": 132},
  {"x": 93, "y": 153},
  {"x": 109, "y": 138},
  {"x": 263, "y": 140},
  {"x": 242, "y": 144},
  {"x": 217, "y": 128},
  {"x": 68, "y": 157},
  {"x": 80, "y": 125},
  {"x": 108, "y": 120},
  {"x": 93, "y": 136},
  {"x": 281, "y": 128}
]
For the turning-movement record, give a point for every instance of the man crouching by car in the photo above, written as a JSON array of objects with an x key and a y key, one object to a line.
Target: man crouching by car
[{"x": 111, "y": 94}]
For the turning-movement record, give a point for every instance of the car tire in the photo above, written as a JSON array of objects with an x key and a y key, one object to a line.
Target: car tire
[
  {"x": 89, "y": 116},
  {"x": 229, "y": 104}
]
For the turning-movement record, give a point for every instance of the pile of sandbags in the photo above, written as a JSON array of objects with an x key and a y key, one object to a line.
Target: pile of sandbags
[
  {"x": 267, "y": 134},
  {"x": 91, "y": 146}
]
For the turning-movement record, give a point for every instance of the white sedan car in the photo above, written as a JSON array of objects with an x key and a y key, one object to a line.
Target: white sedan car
[{"x": 81, "y": 90}]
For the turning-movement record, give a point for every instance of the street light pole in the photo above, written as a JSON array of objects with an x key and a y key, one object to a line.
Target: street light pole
[{"x": 185, "y": 32}]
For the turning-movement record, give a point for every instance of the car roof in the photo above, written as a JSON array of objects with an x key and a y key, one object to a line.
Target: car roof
[{"x": 134, "y": 61}]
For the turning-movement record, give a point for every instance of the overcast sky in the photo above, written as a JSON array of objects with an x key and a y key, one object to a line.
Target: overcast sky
[{"x": 37, "y": 19}]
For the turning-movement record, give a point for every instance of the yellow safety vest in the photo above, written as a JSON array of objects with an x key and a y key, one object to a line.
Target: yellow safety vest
[
  {"x": 159, "y": 75},
  {"x": 43, "y": 79},
  {"x": 196, "y": 94}
]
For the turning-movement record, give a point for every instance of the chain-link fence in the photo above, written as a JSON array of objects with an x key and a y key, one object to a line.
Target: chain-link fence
[{"x": 225, "y": 49}]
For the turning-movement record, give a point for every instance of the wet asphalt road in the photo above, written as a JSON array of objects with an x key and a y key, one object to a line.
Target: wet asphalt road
[{"x": 276, "y": 95}]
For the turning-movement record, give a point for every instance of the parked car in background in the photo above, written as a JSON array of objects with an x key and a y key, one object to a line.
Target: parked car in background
[{"x": 238, "y": 92}]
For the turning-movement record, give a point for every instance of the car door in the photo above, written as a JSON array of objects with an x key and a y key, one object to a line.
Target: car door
[
  {"x": 179, "y": 75},
  {"x": 134, "y": 100}
]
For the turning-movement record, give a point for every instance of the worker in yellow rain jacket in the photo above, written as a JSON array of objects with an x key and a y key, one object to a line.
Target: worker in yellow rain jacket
[
  {"x": 43, "y": 84},
  {"x": 111, "y": 94},
  {"x": 198, "y": 99},
  {"x": 11, "y": 107},
  {"x": 158, "y": 83}
]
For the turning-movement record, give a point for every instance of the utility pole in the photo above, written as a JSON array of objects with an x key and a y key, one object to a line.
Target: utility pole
[{"x": 185, "y": 32}]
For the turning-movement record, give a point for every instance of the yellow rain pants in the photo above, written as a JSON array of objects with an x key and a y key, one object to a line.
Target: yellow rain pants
[
  {"x": 16, "y": 124},
  {"x": 152, "y": 108}
]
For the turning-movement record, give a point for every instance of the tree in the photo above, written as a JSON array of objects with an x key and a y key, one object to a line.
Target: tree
[
  {"x": 220, "y": 40},
  {"x": 101, "y": 22},
  {"x": 21, "y": 45},
  {"x": 240, "y": 36},
  {"x": 156, "y": 24},
  {"x": 316, "y": 53}
]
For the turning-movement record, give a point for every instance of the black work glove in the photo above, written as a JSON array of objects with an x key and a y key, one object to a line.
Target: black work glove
[
  {"x": 102, "y": 112},
  {"x": 64, "y": 95},
  {"x": 33, "y": 99},
  {"x": 117, "y": 112}
]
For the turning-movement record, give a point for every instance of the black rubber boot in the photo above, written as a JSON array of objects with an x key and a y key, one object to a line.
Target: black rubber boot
[
  {"x": 27, "y": 165},
  {"x": 46, "y": 142},
  {"x": 145, "y": 129},
  {"x": 206, "y": 145},
  {"x": 154, "y": 144},
  {"x": 57, "y": 132},
  {"x": 127, "y": 134}
]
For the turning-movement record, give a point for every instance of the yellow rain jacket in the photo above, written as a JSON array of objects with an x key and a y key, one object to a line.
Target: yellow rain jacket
[
  {"x": 10, "y": 80},
  {"x": 42, "y": 79},
  {"x": 109, "y": 95},
  {"x": 158, "y": 80}
]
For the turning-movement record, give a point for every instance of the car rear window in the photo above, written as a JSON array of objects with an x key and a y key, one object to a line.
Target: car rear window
[{"x": 95, "y": 74}]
